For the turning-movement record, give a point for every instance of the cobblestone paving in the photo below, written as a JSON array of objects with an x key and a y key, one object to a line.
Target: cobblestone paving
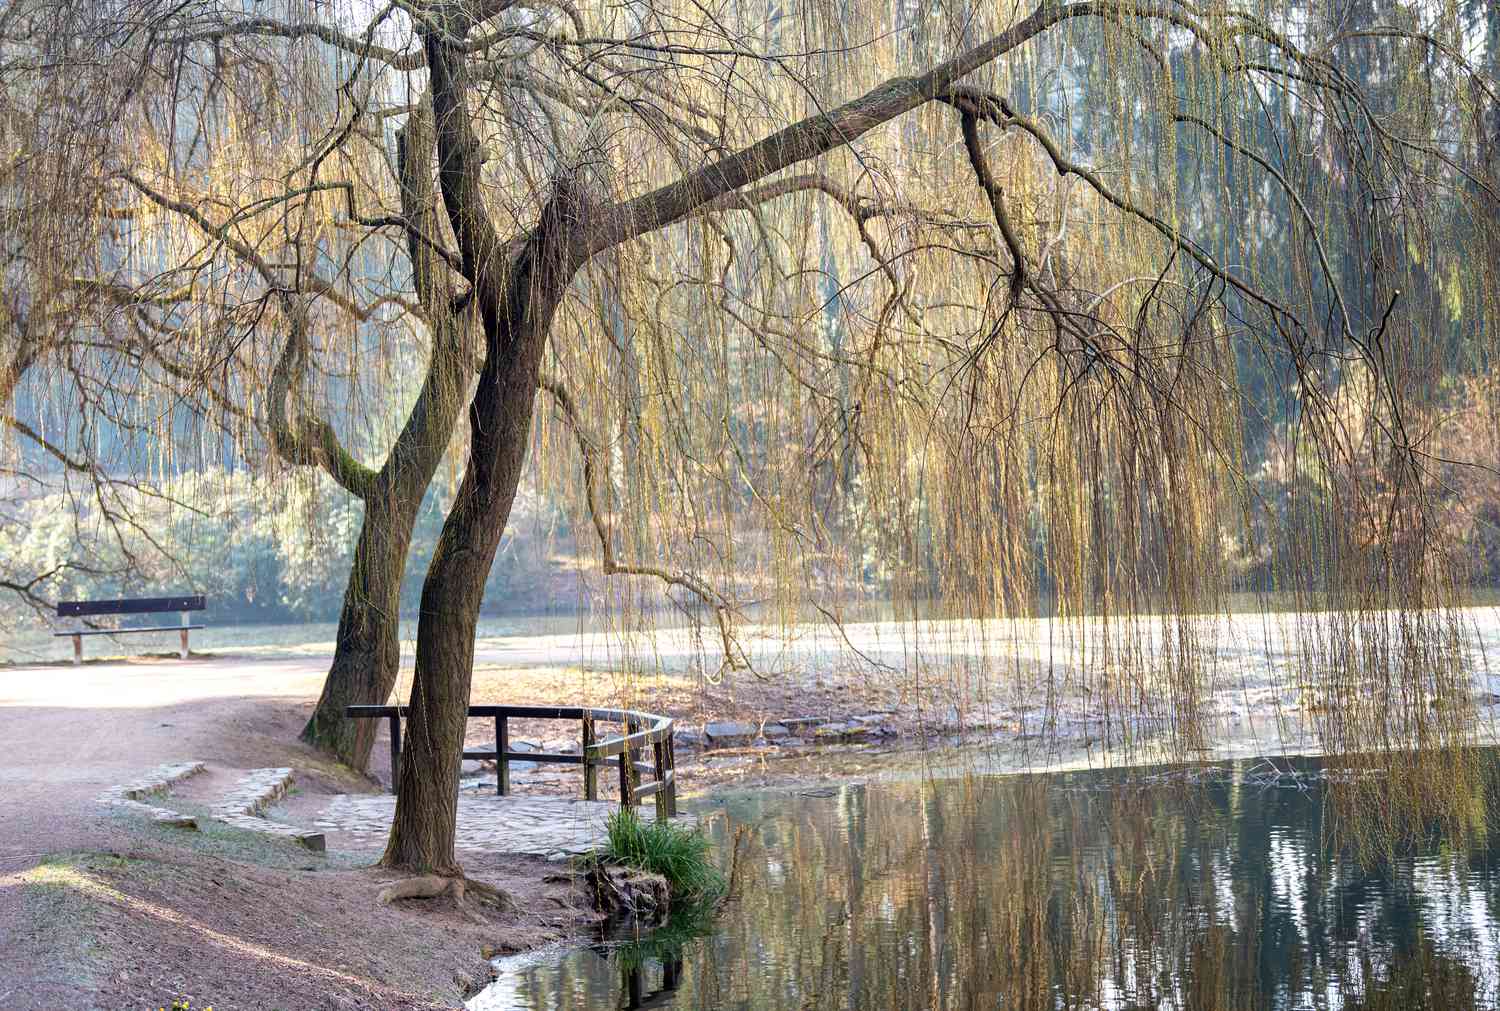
[{"x": 550, "y": 827}]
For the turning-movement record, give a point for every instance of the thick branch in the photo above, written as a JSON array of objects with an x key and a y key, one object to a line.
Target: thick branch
[
  {"x": 459, "y": 161},
  {"x": 824, "y": 132},
  {"x": 473, "y": 14},
  {"x": 996, "y": 110},
  {"x": 996, "y": 195},
  {"x": 11, "y": 371},
  {"x": 271, "y": 28},
  {"x": 311, "y": 441},
  {"x": 424, "y": 438}
]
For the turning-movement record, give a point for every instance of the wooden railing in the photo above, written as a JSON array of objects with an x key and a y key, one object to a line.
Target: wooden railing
[{"x": 641, "y": 731}]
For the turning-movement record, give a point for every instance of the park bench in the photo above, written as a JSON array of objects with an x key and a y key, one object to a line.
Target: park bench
[
  {"x": 138, "y": 605},
  {"x": 642, "y": 730}
]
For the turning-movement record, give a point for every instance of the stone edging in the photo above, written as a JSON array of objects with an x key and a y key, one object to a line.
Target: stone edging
[
  {"x": 257, "y": 790},
  {"x": 789, "y": 732},
  {"x": 128, "y": 797},
  {"x": 814, "y": 731}
]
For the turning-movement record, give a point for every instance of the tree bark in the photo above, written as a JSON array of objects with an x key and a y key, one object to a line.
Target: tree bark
[
  {"x": 517, "y": 298},
  {"x": 422, "y": 834},
  {"x": 367, "y": 654}
]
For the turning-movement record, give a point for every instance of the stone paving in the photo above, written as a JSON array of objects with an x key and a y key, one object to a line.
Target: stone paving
[
  {"x": 554, "y": 828},
  {"x": 550, "y": 827},
  {"x": 128, "y": 796}
]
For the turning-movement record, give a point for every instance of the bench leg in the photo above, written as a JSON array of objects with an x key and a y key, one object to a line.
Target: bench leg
[
  {"x": 184, "y": 651},
  {"x": 77, "y": 650}
]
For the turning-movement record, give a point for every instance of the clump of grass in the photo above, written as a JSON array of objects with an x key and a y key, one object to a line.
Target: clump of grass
[{"x": 679, "y": 853}]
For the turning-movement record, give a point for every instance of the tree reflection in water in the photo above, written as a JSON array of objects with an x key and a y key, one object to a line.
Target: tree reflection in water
[{"x": 1073, "y": 891}]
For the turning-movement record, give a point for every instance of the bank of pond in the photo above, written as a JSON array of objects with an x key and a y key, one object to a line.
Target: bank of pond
[{"x": 1244, "y": 885}]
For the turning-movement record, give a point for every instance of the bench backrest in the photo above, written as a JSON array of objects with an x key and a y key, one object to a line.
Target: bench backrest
[{"x": 129, "y": 605}]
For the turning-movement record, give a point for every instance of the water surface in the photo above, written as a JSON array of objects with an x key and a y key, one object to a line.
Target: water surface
[{"x": 1075, "y": 890}]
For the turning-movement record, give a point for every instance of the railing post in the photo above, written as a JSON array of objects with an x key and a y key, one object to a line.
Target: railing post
[
  {"x": 502, "y": 748},
  {"x": 627, "y": 770},
  {"x": 671, "y": 768},
  {"x": 635, "y": 990},
  {"x": 659, "y": 756},
  {"x": 671, "y": 786},
  {"x": 590, "y": 767},
  {"x": 395, "y": 719}
]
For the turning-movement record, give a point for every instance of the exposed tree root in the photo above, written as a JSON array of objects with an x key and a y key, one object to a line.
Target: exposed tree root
[
  {"x": 428, "y": 886},
  {"x": 489, "y": 895},
  {"x": 434, "y": 886}
]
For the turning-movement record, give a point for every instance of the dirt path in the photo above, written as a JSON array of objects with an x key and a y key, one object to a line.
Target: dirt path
[
  {"x": 71, "y": 732},
  {"x": 103, "y": 911}
]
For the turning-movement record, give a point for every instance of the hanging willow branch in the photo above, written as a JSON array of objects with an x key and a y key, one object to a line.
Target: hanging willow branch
[{"x": 734, "y": 655}]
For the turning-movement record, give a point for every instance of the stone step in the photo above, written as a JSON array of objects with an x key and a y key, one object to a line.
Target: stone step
[{"x": 257, "y": 790}]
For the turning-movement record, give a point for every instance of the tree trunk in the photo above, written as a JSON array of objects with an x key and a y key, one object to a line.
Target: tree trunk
[
  {"x": 516, "y": 326},
  {"x": 422, "y": 834},
  {"x": 367, "y": 656}
]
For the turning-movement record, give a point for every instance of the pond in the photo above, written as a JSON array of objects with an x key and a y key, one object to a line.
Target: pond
[{"x": 1077, "y": 890}]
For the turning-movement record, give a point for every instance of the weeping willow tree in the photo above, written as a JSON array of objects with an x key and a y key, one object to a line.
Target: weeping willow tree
[
  {"x": 68, "y": 375},
  {"x": 979, "y": 305},
  {"x": 202, "y": 310},
  {"x": 1132, "y": 469}
]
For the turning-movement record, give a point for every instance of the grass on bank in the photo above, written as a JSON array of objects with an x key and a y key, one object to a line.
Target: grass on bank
[{"x": 679, "y": 853}]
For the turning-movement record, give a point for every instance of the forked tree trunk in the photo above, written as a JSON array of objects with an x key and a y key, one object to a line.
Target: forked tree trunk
[
  {"x": 524, "y": 294},
  {"x": 516, "y": 295}
]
